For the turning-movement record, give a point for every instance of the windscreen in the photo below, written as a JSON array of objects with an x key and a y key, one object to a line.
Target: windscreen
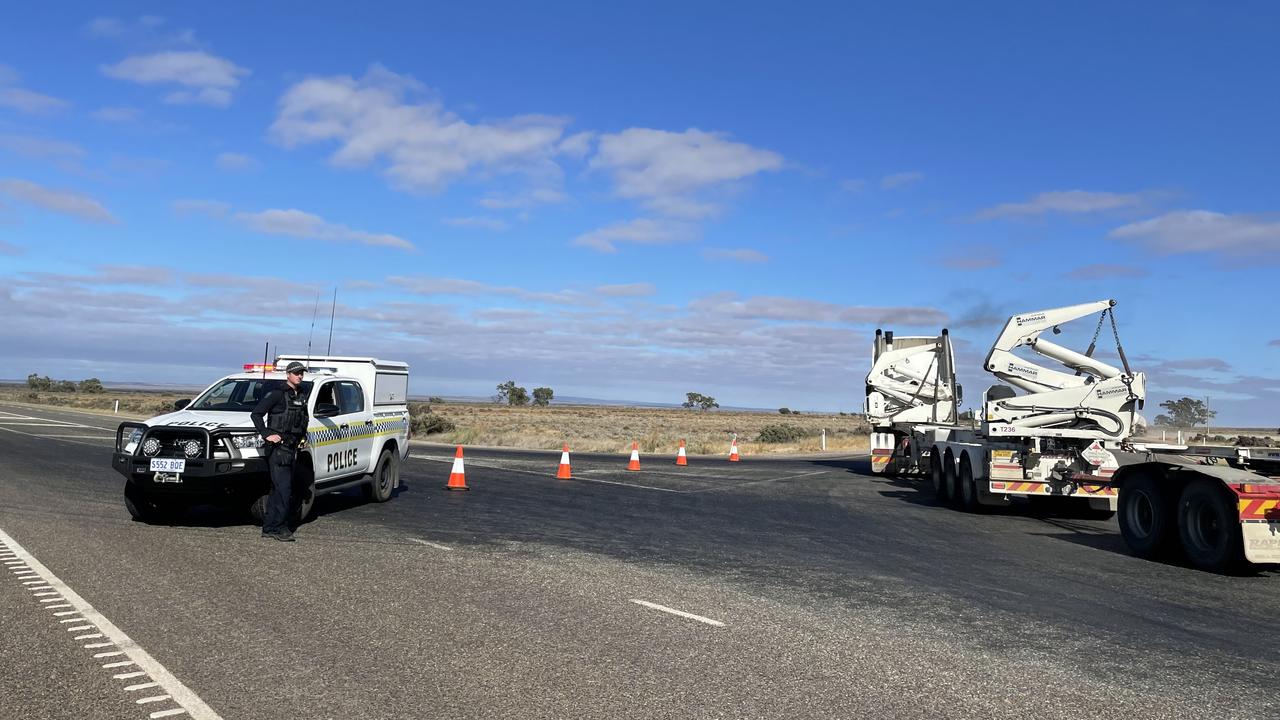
[{"x": 240, "y": 394}]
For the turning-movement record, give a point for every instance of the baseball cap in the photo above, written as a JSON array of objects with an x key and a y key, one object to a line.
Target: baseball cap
[{"x": 295, "y": 367}]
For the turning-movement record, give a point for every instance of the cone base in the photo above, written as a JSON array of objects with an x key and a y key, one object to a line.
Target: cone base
[{"x": 456, "y": 487}]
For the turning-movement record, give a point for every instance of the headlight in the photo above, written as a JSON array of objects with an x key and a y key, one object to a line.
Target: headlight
[
  {"x": 247, "y": 441},
  {"x": 192, "y": 448},
  {"x": 151, "y": 447},
  {"x": 134, "y": 436}
]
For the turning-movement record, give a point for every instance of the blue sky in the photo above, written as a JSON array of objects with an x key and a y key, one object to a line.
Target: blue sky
[{"x": 638, "y": 202}]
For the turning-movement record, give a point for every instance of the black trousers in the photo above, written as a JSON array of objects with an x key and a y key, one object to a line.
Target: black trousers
[{"x": 277, "y": 518}]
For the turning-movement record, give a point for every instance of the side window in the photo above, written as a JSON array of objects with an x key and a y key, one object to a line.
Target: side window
[
  {"x": 325, "y": 395},
  {"x": 351, "y": 397}
]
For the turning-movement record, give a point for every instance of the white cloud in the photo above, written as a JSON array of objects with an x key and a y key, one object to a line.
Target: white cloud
[
  {"x": 119, "y": 114},
  {"x": 235, "y": 162},
  {"x": 388, "y": 120},
  {"x": 853, "y": 185},
  {"x": 795, "y": 309},
  {"x": 306, "y": 226},
  {"x": 627, "y": 290},
  {"x": 459, "y": 286},
  {"x": 974, "y": 257},
  {"x": 22, "y": 99},
  {"x": 664, "y": 169},
  {"x": 1071, "y": 202},
  {"x": 483, "y": 223},
  {"x": 524, "y": 200},
  {"x": 59, "y": 201},
  {"x": 38, "y": 147},
  {"x": 1102, "y": 271},
  {"x": 642, "y": 231},
  {"x": 209, "y": 79},
  {"x": 210, "y": 208},
  {"x": 1185, "y": 231},
  {"x": 744, "y": 255},
  {"x": 900, "y": 180}
]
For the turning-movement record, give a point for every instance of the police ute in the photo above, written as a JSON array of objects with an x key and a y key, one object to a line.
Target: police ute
[{"x": 207, "y": 450}]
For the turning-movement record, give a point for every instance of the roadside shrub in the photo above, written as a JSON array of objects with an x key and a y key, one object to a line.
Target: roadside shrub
[
  {"x": 429, "y": 423},
  {"x": 784, "y": 411},
  {"x": 1254, "y": 441},
  {"x": 781, "y": 433}
]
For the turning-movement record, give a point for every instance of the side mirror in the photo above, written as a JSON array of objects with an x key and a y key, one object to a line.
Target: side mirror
[
  {"x": 324, "y": 410},
  {"x": 179, "y": 404},
  {"x": 959, "y": 393}
]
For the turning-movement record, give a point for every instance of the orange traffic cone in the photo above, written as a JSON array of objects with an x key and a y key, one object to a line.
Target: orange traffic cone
[
  {"x": 733, "y": 452},
  {"x": 635, "y": 456},
  {"x": 681, "y": 459},
  {"x": 564, "y": 473},
  {"x": 458, "y": 476}
]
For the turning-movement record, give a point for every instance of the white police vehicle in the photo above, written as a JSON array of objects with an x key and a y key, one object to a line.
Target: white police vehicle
[{"x": 207, "y": 450}]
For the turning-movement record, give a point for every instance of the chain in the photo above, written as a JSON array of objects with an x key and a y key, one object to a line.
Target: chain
[{"x": 1115, "y": 331}]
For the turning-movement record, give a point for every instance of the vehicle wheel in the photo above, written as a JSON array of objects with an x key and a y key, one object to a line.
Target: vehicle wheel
[
  {"x": 968, "y": 487},
  {"x": 950, "y": 477},
  {"x": 938, "y": 477},
  {"x": 1147, "y": 517},
  {"x": 386, "y": 475},
  {"x": 258, "y": 509},
  {"x": 1209, "y": 526}
]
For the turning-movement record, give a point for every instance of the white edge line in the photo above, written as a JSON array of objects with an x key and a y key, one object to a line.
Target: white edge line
[
  {"x": 181, "y": 693},
  {"x": 681, "y": 613},
  {"x": 437, "y": 546}
]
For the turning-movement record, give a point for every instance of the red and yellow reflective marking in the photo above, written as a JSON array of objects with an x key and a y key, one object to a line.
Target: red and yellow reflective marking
[
  {"x": 1259, "y": 509},
  {"x": 1039, "y": 488}
]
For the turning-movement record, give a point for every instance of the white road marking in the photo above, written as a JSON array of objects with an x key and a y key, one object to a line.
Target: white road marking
[
  {"x": 82, "y": 437},
  {"x": 681, "y": 613},
  {"x": 14, "y": 419},
  {"x": 87, "y": 637},
  {"x": 95, "y": 646},
  {"x": 181, "y": 694},
  {"x": 125, "y": 676},
  {"x": 97, "y": 656},
  {"x": 79, "y": 627},
  {"x": 141, "y": 686},
  {"x": 51, "y": 599},
  {"x": 66, "y": 440},
  {"x": 35, "y": 582},
  {"x": 72, "y": 612},
  {"x": 80, "y": 619},
  {"x": 166, "y": 713},
  {"x": 41, "y": 592},
  {"x": 156, "y": 698},
  {"x": 55, "y": 607},
  {"x": 437, "y": 546},
  {"x": 630, "y": 485}
]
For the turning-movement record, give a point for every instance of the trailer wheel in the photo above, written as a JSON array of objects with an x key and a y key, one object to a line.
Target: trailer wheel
[
  {"x": 1209, "y": 526},
  {"x": 968, "y": 487},
  {"x": 951, "y": 479},
  {"x": 937, "y": 476},
  {"x": 1147, "y": 517}
]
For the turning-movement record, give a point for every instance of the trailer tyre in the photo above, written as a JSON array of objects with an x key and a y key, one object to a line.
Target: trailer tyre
[
  {"x": 1147, "y": 520},
  {"x": 937, "y": 476},
  {"x": 968, "y": 487},
  {"x": 1209, "y": 527},
  {"x": 951, "y": 478}
]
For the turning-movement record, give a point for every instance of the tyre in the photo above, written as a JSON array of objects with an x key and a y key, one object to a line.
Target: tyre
[
  {"x": 1209, "y": 527},
  {"x": 1147, "y": 520},
  {"x": 968, "y": 486},
  {"x": 951, "y": 478},
  {"x": 938, "y": 477},
  {"x": 386, "y": 475}
]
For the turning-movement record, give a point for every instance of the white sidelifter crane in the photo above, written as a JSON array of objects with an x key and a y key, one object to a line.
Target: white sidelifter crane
[{"x": 1068, "y": 438}]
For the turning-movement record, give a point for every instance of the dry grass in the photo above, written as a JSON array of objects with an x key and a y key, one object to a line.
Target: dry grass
[
  {"x": 590, "y": 428},
  {"x": 586, "y": 428}
]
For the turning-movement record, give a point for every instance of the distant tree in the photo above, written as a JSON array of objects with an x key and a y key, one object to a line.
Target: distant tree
[
  {"x": 1163, "y": 419},
  {"x": 436, "y": 399},
  {"x": 784, "y": 411},
  {"x": 36, "y": 382},
  {"x": 65, "y": 386},
  {"x": 693, "y": 399},
  {"x": 1188, "y": 412},
  {"x": 542, "y": 396},
  {"x": 512, "y": 394},
  {"x": 91, "y": 386}
]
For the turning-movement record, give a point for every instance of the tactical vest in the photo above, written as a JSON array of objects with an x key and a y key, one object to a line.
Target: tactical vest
[{"x": 289, "y": 416}]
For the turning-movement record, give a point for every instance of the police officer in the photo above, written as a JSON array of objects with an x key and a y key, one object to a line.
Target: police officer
[{"x": 285, "y": 428}]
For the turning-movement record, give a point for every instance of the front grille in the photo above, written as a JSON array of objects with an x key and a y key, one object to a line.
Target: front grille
[{"x": 176, "y": 443}]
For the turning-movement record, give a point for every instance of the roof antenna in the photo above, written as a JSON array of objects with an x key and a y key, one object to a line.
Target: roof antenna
[
  {"x": 332, "y": 312},
  {"x": 314, "y": 312},
  {"x": 266, "y": 350}
]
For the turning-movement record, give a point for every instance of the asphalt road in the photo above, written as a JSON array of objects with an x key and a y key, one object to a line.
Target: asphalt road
[{"x": 838, "y": 595}]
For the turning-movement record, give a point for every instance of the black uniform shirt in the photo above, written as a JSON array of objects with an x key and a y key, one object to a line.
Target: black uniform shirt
[{"x": 286, "y": 414}]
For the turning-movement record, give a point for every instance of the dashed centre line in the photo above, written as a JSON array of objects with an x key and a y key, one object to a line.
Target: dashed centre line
[
  {"x": 85, "y": 617},
  {"x": 437, "y": 546},
  {"x": 680, "y": 613}
]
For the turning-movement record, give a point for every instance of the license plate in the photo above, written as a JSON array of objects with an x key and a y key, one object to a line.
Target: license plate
[{"x": 168, "y": 465}]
